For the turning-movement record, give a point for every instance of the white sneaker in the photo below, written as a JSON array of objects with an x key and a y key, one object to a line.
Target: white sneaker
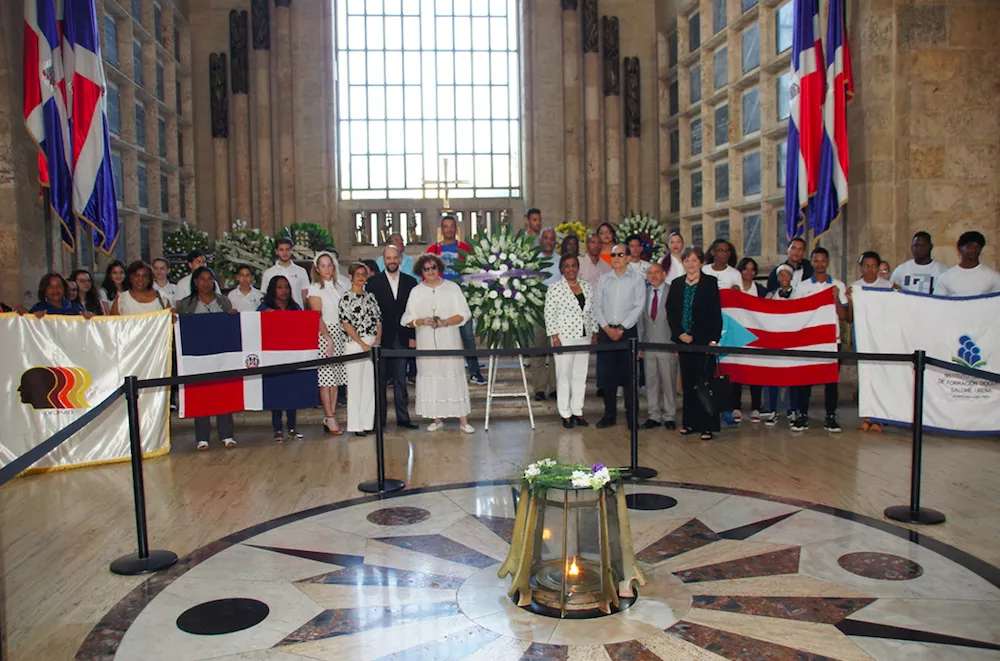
[
  {"x": 468, "y": 429},
  {"x": 435, "y": 426},
  {"x": 737, "y": 416}
]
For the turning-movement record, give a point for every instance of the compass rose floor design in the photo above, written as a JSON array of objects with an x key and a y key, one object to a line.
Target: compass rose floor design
[{"x": 731, "y": 575}]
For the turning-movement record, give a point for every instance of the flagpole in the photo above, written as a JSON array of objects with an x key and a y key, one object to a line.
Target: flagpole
[{"x": 49, "y": 231}]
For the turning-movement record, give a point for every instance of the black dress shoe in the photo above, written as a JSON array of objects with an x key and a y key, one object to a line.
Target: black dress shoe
[
  {"x": 567, "y": 423},
  {"x": 604, "y": 423},
  {"x": 539, "y": 396},
  {"x": 407, "y": 425},
  {"x": 360, "y": 433},
  {"x": 650, "y": 424},
  {"x": 579, "y": 421},
  {"x": 553, "y": 394},
  {"x": 600, "y": 392},
  {"x": 670, "y": 424}
]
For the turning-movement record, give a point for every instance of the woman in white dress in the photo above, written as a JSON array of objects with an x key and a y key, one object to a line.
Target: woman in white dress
[
  {"x": 436, "y": 309},
  {"x": 325, "y": 293},
  {"x": 138, "y": 296}
]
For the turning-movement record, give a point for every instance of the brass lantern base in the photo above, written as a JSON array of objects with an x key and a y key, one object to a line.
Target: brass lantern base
[{"x": 583, "y": 592}]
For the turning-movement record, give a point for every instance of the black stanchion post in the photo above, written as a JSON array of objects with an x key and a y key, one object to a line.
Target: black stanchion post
[
  {"x": 144, "y": 561},
  {"x": 914, "y": 513},
  {"x": 380, "y": 484},
  {"x": 636, "y": 472}
]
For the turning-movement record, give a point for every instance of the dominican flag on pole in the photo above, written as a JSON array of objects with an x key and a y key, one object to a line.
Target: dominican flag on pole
[
  {"x": 220, "y": 342},
  {"x": 834, "y": 157},
  {"x": 805, "y": 126},
  {"x": 808, "y": 323}
]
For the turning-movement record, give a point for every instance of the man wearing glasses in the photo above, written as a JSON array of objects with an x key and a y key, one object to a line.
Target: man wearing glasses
[{"x": 617, "y": 306}]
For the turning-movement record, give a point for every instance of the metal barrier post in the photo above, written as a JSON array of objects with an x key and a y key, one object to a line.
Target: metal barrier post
[
  {"x": 636, "y": 472},
  {"x": 914, "y": 513},
  {"x": 144, "y": 561},
  {"x": 380, "y": 484}
]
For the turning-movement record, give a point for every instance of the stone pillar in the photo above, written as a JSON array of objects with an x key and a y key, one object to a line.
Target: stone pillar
[
  {"x": 261, "y": 14},
  {"x": 592, "y": 115},
  {"x": 612, "y": 118},
  {"x": 220, "y": 139},
  {"x": 286, "y": 109},
  {"x": 241, "y": 107},
  {"x": 571, "y": 108},
  {"x": 632, "y": 125}
]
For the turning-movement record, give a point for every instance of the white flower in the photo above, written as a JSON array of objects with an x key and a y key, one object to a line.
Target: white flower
[
  {"x": 507, "y": 293},
  {"x": 519, "y": 297},
  {"x": 503, "y": 268},
  {"x": 580, "y": 479},
  {"x": 532, "y": 471},
  {"x": 503, "y": 256},
  {"x": 503, "y": 281},
  {"x": 546, "y": 463},
  {"x": 516, "y": 283},
  {"x": 496, "y": 324},
  {"x": 494, "y": 294}
]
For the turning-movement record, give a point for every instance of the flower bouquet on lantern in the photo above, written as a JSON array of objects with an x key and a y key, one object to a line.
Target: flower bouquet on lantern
[{"x": 650, "y": 232}]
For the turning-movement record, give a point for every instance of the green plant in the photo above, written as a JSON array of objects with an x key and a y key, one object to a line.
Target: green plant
[
  {"x": 179, "y": 243},
  {"x": 242, "y": 245},
  {"x": 308, "y": 239}
]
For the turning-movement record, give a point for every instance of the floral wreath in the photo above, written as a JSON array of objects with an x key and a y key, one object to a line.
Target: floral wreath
[{"x": 650, "y": 232}]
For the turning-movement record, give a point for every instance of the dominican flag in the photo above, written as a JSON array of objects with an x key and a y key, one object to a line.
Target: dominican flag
[
  {"x": 65, "y": 112},
  {"x": 220, "y": 342},
  {"x": 834, "y": 157},
  {"x": 805, "y": 125},
  {"x": 799, "y": 323}
]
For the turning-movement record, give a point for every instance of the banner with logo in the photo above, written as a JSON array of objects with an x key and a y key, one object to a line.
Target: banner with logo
[
  {"x": 56, "y": 368},
  {"x": 960, "y": 330}
]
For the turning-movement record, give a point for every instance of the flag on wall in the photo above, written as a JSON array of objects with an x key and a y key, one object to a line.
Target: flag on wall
[
  {"x": 65, "y": 111},
  {"x": 808, "y": 323},
  {"x": 220, "y": 342},
  {"x": 805, "y": 125},
  {"x": 834, "y": 156}
]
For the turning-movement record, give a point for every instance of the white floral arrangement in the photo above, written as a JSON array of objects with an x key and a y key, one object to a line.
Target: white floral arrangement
[
  {"x": 182, "y": 241},
  {"x": 549, "y": 472},
  {"x": 241, "y": 245},
  {"x": 502, "y": 279},
  {"x": 649, "y": 230}
]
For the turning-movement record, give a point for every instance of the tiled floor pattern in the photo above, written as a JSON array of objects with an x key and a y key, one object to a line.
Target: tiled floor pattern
[{"x": 414, "y": 577}]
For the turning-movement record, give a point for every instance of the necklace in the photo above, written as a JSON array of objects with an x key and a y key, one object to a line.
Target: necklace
[{"x": 688, "y": 280}]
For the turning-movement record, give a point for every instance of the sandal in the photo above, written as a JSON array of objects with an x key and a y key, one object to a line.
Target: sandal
[
  {"x": 278, "y": 437},
  {"x": 228, "y": 443},
  {"x": 685, "y": 431},
  {"x": 865, "y": 426},
  {"x": 202, "y": 445},
  {"x": 335, "y": 428},
  {"x": 876, "y": 428},
  {"x": 706, "y": 436}
]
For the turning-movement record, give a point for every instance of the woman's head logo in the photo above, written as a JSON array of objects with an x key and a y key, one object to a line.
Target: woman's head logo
[{"x": 55, "y": 387}]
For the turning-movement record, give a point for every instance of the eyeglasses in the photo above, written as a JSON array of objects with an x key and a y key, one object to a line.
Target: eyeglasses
[
  {"x": 617, "y": 254},
  {"x": 431, "y": 267}
]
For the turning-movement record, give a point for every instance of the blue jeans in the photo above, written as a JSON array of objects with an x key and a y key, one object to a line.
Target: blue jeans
[
  {"x": 773, "y": 399},
  {"x": 276, "y": 419},
  {"x": 469, "y": 344}
]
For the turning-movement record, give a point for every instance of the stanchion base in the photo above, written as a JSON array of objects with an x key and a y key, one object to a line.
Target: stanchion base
[
  {"x": 388, "y": 486},
  {"x": 641, "y": 473},
  {"x": 132, "y": 564},
  {"x": 924, "y": 515}
]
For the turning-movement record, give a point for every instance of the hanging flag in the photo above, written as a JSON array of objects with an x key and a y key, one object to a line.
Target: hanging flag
[
  {"x": 46, "y": 112},
  {"x": 218, "y": 342},
  {"x": 834, "y": 156},
  {"x": 805, "y": 126}
]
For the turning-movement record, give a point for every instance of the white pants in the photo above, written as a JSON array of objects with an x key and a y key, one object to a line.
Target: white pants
[
  {"x": 360, "y": 388},
  {"x": 571, "y": 377}
]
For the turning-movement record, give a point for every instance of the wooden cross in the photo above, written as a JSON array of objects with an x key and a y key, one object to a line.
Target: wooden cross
[{"x": 445, "y": 183}]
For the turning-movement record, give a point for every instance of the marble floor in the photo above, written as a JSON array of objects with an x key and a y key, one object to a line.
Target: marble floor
[{"x": 759, "y": 545}]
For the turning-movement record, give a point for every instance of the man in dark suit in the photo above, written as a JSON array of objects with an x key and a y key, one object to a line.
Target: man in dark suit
[{"x": 392, "y": 290}]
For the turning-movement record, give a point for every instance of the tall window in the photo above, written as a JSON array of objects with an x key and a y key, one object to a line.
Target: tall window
[
  {"x": 140, "y": 125},
  {"x": 696, "y": 190},
  {"x": 720, "y": 67},
  {"x": 695, "y": 137},
  {"x": 160, "y": 84},
  {"x": 694, "y": 82},
  {"x": 784, "y": 95},
  {"x": 722, "y": 182},
  {"x": 113, "y": 97},
  {"x": 164, "y": 195},
  {"x": 718, "y": 15},
  {"x": 158, "y": 23},
  {"x": 694, "y": 32},
  {"x": 161, "y": 137},
  {"x": 111, "y": 40},
  {"x": 118, "y": 175},
  {"x": 137, "y": 62},
  {"x": 429, "y": 82},
  {"x": 751, "y": 48},
  {"x": 785, "y": 27},
  {"x": 142, "y": 177}
]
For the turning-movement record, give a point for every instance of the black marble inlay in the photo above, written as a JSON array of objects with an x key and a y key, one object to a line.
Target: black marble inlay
[
  {"x": 440, "y": 546},
  {"x": 342, "y": 559},
  {"x": 873, "y": 630},
  {"x": 398, "y": 516},
  {"x": 649, "y": 501},
  {"x": 347, "y": 621},
  {"x": 751, "y": 529},
  {"x": 214, "y": 618},
  {"x": 499, "y": 526}
]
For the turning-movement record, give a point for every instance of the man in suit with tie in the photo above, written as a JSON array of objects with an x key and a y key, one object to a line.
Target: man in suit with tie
[
  {"x": 391, "y": 289},
  {"x": 661, "y": 366}
]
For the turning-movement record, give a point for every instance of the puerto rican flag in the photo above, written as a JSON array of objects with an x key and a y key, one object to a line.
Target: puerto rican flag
[
  {"x": 805, "y": 125},
  {"x": 799, "y": 323},
  {"x": 834, "y": 157},
  {"x": 219, "y": 342}
]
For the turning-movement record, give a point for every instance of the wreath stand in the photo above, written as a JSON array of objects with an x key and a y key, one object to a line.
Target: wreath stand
[{"x": 491, "y": 374}]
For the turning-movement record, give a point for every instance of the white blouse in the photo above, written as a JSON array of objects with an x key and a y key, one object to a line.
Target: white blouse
[{"x": 329, "y": 296}]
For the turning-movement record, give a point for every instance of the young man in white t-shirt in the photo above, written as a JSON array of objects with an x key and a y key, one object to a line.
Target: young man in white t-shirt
[
  {"x": 635, "y": 260},
  {"x": 821, "y": 281},
  {"x": 921, "y": 273},
  {"x": 245, "y": 297},
  {"x": 297, "y": 276},
  {"x": 196, "y": 259},
  {"x": 969, "y": 278}
]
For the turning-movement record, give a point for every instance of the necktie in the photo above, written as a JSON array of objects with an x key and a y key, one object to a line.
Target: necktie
[{"x": 656, "y": 303}]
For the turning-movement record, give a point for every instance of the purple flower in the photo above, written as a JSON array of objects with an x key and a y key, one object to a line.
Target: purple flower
[{"x": 596, "y": 467}]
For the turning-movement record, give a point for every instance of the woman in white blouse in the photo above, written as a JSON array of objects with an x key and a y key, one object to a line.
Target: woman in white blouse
[
  {"x": 720, "y": 261},
  {"x": 325, "y": 293},
  {"x": 569, "y": 321}
]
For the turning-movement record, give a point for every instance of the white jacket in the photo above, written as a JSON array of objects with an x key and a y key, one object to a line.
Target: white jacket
[{"x": 563, "y": 316}]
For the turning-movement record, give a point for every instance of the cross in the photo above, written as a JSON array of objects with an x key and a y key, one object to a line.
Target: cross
[{"x": 444, "y": 183}]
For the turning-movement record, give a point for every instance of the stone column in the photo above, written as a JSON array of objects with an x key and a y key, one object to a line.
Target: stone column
[
  {"x": 592, "y": 115},
  {"x": 220, "y": 139},
  {"x": 286, "y": 109},
  {"x": 261, "y": 14},
  {"x": 241, "y": 108},
  {"x": 632, "y": 126},
  {"x": 571, "y": 108},
  {"x": 612, "y": 118}
]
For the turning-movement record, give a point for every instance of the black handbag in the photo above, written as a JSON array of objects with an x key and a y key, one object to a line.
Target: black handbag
[{"x": 713, "y": 391}]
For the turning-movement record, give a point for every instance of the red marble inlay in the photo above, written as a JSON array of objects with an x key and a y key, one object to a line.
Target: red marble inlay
[
  {"x": 826, "y": 610},
  {"x": 774, "y": 563},
  {"x": 739, "y": 648},
  {"x": 880, "y": 566},
  {"x": 630, "y": 650},
  {"x": 398, "y": 516},
  {"x": 692, "y": 535},
  {"x": 546, "y": 652}
]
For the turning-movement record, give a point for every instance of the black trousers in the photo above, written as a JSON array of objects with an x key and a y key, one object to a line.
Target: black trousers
[
  {"x": 755, "y": 396},
  {"x": 831, "y": 393},
  {"x": 394, "y": 371},
  {"x": 616, "y": 373},
  {"x": 693, "y": 366}
]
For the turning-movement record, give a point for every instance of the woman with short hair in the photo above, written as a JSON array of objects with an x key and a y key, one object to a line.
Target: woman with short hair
[
  {"x": 138, "y": 296},
  {"x": 52, "y": 299},
  {"x": 569, "y": 321},
  {"x": 361, "y": 318},
  {"x": 114, "y": 284}
]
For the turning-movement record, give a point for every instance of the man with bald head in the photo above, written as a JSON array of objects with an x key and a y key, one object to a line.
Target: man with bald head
[
  {"x": 405, "y": 261},
  {"x": 391, "y": 289}
]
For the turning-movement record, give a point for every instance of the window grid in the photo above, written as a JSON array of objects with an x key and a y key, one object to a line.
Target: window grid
[
  {"x": 164, "y": 195},
  {"x": 114, "y": 109},
  {"x": 696, "y": 185},
  {"x": 722, "y": 182},
  {"x": 137, "y": 62},
  {"x": 142, "y": 176},
  {"x": 140, "y": 125},
  {"x": 111, "y": 40},
  {"x": 426, "y": 83}
]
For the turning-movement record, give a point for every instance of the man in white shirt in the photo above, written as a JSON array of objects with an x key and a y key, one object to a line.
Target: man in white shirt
[
  {"x": 592, "y": 267},
  {"x": 821, "y": 281},
  {"x": 296, "y": 275},
  {"x": 196, "y": 259},
  {"x": 970, "y": 277},
  {"x": 921, "y": 273},
  {"x": 635, "y": 260},
  {"x": 245, "y": 297},
  {"x": 543, "y": 368}
]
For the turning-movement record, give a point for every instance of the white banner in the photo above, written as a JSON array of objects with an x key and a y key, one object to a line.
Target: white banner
[
  {"x": 959, "y": 330},
  {"x": 56, "y": 368}
]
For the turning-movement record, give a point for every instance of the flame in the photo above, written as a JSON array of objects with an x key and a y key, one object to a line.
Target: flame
[
  {"x": 573, "y": 569},
  {"x": 546, "y": 533}
]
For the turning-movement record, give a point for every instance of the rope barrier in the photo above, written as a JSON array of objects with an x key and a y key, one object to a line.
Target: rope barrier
[{"x": 962, "y": 369}]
